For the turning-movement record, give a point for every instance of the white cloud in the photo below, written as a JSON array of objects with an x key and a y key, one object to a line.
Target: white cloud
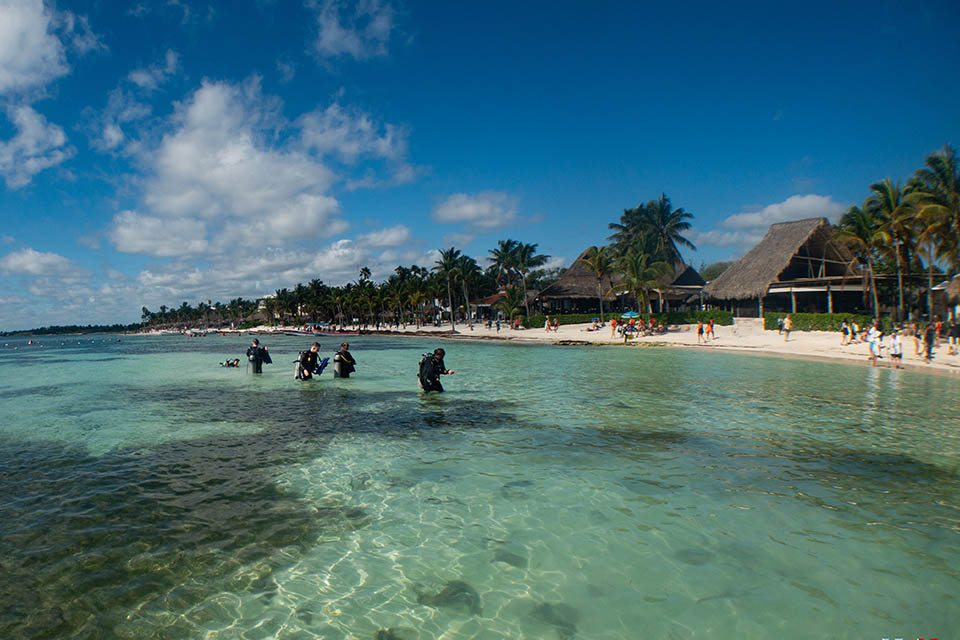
[
  {"x": 350, "y": 134},
  {"x": 36, "y": 146},
  {"x": 287, "y": 71},
  {"x": 745, "y": 229},
  {"x": 150, "y": 78},
  {"x": 793, "y": 208},
  {"x": 394, "y": 236},
  {"x": 358, "y": 29},
  {"x": 132, "y": 232},
  {"x": 35, "y": 263},
  {"x": 31, "y": 55},
  {"x": 484, "y": 211}
]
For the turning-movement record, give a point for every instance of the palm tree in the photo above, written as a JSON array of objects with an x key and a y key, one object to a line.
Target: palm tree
[
  {"x": 600, "y": 262},
  {"x": 640, "y": 272},
  {"x": 938, "y": 186},
  {"x": 511, "y": 302},
  {"x": 446, "y": 267},
  {"x": 467, "y": 270},
  {"x": 666, "y": 226},
  {"x": 859, "y": 230},
  {"x": 891, "y": 208},
  {"x": 625, "y": 232},
  {"x": 525, "y": 259},
  {"x": 933, "y": 233},
  {"x": 503, "y": 259}
]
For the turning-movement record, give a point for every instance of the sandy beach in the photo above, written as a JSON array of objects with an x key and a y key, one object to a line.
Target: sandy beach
[{"x": 745, "y": 335}]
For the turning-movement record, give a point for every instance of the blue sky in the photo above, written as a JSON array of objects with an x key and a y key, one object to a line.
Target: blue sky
[{"x": 159, "y": 152}]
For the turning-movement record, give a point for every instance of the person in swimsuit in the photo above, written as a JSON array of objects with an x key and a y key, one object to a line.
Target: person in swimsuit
[{"x": 699, "y": 331}]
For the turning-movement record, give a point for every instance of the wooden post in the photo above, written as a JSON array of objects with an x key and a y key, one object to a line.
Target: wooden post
[
  {"x": 829, "y": 300},
  {"x": 793, "y": 301}
]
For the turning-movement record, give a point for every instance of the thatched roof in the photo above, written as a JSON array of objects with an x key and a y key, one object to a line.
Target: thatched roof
[
  {"x": 579, "y": 281},
  {"x": 777, "y": 257}
]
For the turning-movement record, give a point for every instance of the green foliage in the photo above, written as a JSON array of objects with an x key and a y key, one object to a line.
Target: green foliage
[
  {"x": 711, "y": 271},
  {"x": 57, "y": 330},
  {"x": 822, "y": 321}
]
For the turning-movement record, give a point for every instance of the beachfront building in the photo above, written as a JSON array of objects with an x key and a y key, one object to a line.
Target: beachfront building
[
  {"x": 797, "y": 267},
  {"x": 946, "y": 298},
  {"x": 577, "y": 292}
]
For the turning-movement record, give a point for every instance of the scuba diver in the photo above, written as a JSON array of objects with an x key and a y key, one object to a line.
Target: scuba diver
[
  {"x": 343, "y": 362},
  {"x": 258, "y": 356},
  {"x": 431, "y": 368},
  {"x": 309, "y": 363},
  {"x": 231, "y": 363}
]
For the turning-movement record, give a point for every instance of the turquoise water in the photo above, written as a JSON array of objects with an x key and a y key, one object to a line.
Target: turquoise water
[{"x": 604, "y": 493}]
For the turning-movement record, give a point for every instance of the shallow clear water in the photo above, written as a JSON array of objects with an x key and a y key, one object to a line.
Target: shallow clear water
[{"x": 606, "y": 493}]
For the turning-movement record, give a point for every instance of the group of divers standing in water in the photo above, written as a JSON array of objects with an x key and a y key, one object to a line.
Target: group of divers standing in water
[{"x": 309, "y": 364}]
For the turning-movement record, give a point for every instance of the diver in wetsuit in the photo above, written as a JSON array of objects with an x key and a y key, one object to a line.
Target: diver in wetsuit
[
  {"x": 307, "y": 363},
  {"x": 431, "y": 368},
  {"x": 257, "y": 355},
  {"x": 343, "y": 362}
]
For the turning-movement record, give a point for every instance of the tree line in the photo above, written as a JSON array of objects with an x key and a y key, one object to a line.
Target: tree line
[
  {"x": 908, "y": 228},
  {"x": 644, "y": 251},
  {"x": 408, "y": 295}
]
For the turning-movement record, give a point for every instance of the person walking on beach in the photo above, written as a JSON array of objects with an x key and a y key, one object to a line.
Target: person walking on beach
[
  {"x": 431, "y": 368},
  {"x": 343, "y": 363},
  {"x": 699, "y": 331},
  {"x": 787, "y": 326},
  {"x": 779, "y": 325},
  {"x": 257, "y": 356},
  {"x": 710, "y": 333},
  {"x": 844, "y": 333},
  {"x": 556, "y": 324},
  {"x": 613, "y": 328},
  {"x": 498, "y": 325},
  {"x": 546, "y": 324},
  {"x": 873, "y": 338},
  {"x": 929, "y": 338},
  {"x": 954, "y": 338},
  {"x": 896, "y": 349}
]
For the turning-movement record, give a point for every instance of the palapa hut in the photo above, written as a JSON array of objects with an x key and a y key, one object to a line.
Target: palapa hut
[
  {"x": 576, "y": 290},
  {"x": 798, "y": 266}
]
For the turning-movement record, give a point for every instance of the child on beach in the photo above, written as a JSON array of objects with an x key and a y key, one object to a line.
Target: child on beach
[{"x": 896, "y": 349}]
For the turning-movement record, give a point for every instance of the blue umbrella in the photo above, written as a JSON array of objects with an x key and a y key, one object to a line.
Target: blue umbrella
[{"x": 630, "y": 314}]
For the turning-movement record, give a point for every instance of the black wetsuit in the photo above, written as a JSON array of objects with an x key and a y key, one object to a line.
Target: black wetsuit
[
  {"x": 343, "y": 364},
  {"x": 430, "y": 371},
  {"x": 255, "y": 356},
  {"x": 308, "y": 364}
]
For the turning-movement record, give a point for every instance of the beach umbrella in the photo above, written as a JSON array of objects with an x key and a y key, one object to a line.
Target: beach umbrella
[{"x": 630, "y": 314}]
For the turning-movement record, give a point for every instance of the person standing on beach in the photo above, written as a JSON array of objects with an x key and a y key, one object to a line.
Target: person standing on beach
[
  {"x": 787, "y": 326},
  {"x": 556, "y": 324},
  {"x": 873, "y": 338},
  {"x": 613, "y": 328},
  {"x": 710, "y": 333},
  {"x": 954, "y": 337},
  {"x": 343, "y": 362},
  {"x": 844, "y": 333},
  {"x": 257, "y": 355},
  {"x": 546, "y": 324},
  {"x": 779, "y": 325},
  {"x": 431, "y": 368},
  {"x": 699, "y": 331}
]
